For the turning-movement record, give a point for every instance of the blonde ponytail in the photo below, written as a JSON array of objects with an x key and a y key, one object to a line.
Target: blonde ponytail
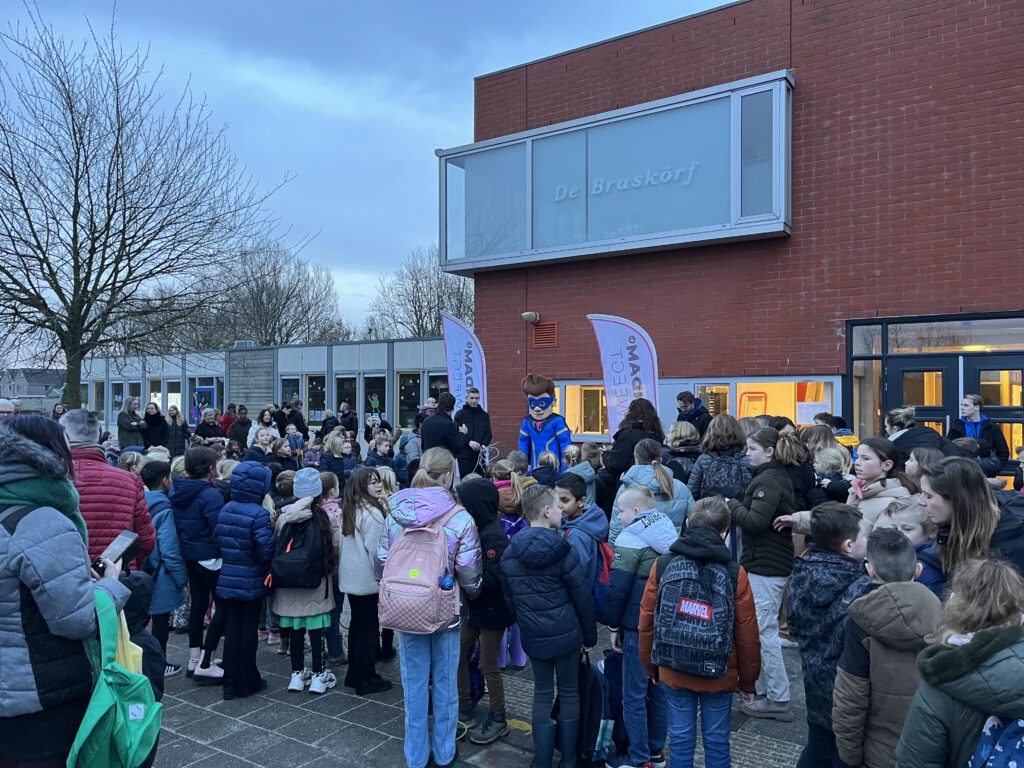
[
  {"x": 648, "y": 452},
  {"x": 435, "y": 463}
]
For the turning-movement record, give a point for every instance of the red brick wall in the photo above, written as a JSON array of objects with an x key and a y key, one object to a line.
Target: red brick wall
[{"x": 908, "y": 186}]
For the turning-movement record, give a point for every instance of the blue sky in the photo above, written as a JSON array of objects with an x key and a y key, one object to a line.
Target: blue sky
[{"x": 350, "y": 99}]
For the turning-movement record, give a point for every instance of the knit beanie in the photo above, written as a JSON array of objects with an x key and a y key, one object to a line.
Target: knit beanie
[{"x": 307, "y": 483}]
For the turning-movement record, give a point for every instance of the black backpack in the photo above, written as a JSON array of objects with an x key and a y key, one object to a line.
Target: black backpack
[
  {"x": 694, "y": 616},
  {"x": 593, "y": 691},
  {"x": 725, "y": 476},
  {"x": 298, "y": 557}
]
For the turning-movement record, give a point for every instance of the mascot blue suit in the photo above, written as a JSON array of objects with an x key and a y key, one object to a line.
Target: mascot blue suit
[{"x": 542, "y": 430}]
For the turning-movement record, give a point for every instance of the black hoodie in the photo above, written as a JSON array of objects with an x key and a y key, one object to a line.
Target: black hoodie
[
  {"x": 157, "y": 432},
  {"x": 488, "y": 609}
]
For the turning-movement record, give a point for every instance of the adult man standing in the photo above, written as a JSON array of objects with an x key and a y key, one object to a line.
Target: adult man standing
[
  {"x": 439, "y": 431},
  {"x": 691, "y": 409},
  {"x": 110, "y": 499},
  {"x": 478, "y": 422},
  {"x": 295, "y": 417},
  {"x": 347, "y": 418}
]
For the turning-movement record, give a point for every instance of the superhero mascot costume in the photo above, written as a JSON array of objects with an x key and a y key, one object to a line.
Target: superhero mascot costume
[{"x": 542, "y": 430}]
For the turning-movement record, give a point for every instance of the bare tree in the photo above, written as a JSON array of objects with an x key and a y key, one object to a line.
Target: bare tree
[
  {"x": 113, "y": 209},
  {"x": 410, "y": 300}
]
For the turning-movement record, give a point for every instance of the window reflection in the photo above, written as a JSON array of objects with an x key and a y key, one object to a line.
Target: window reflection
[
  {"x": 958, "y": 336},
  {"x": 922, "y": 388}
]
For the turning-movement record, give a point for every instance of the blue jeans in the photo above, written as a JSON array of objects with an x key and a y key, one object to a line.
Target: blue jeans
[
  {"x": 715, "y": 722},
  {"x": 426, "y": 657},
  {"x": 646, "y": 722}
]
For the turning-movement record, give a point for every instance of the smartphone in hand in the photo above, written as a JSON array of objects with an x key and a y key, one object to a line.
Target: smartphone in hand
[{"x": 124, "y": 548}]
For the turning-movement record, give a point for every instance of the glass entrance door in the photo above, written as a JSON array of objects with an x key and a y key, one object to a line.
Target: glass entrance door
[
  {"x": 998, "y": 379},
  {"x": 929, "y": 383}
]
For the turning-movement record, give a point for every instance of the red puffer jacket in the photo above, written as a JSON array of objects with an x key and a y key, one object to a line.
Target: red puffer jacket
[{"x": 111, "y": 500}]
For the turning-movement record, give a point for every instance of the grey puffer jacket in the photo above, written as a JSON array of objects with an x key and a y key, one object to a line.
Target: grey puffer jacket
[{"x": 47, "y": 606}]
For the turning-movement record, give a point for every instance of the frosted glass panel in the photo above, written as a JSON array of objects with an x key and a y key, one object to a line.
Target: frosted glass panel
[
  {"x": 659, "y": 173},
  {"x": 560, "y": 190},
  {"x": 756, "y": 154},
  {"x": 487, "y": 202}
]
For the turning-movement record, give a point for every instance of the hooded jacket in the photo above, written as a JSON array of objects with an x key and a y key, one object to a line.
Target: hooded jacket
[
  {"x": 584, "y": 534},
  {"x": 821, "y": 588},
  {"x": 986, "y": 432},
  {"x": 47, "y": 604},
  {"x": 637, "y": 547},
  {"x": 870, "y": 500},
  {"x": 165, "y": 563},
  {"x": 111, "y": 500},
  {"x": 488, "y": 609},
  {"x": 961, "y": 687},
  {"x": 296, "y": 602},
  {"x": 922, "y": 437},
  {"x": 356, "y": 575},
  {"x": 417, "y": 507},
  {"x": 698, "y": 416},
  {"x": 244, "y": 535},
  {"x": 197, "y": 505},
  {"x": 643, "y": 475},
  {"x": 546, "y": 589},
  {"x": 703, "y": 544},
  {"x": 479, "y": 423},
  {"x": 766, "y": 552},
  {"x": 877, "y": 674},
  {"x": 586, "y": 471}
]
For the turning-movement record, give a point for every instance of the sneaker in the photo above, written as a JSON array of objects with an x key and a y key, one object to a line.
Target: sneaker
[
  {"x": 211, "y": 675},
  {"x": 171, "y": 670},
  {"x": 323, "y": 682},
  {"x": 300, "y": 680},
  {"x": 658, "y": 758},
  {"x": 768, "y": 710},
  {"x": 493, "y": 728},
  {"x": 272, "y": 638}
]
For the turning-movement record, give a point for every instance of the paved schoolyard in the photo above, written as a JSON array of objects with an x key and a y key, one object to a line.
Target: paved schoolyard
[{"x": 289, "y": 730}]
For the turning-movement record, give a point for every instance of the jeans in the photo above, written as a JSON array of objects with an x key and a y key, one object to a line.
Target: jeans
[
  {"x": 424, "y": 658},
  {"x": 268, "y": 619},
  {"x": 490, "y": 641},
  {"x": 241, "y": 675},
  {"x": 821, "y": 750},
  {"x": 715, "y": 723},
  {"x": 567, "y": 670},
  {"x": 646, "y": 723},
  {"x": 767, "y": 601}
]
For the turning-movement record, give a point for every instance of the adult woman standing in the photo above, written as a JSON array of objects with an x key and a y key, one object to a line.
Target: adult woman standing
[
  {"x": 130, "y": 424},
  {"x": 362, "y": 523},
  {"x": 178, "y": 431},
  {"x": 640, "y": 422},
  {"x": 239, "y": 431},
  {"x": 157, "y": 431},
  {"x": 208, "y": 428},
  {"x": 971, "y": 524},
  {"x": 58, "y": 411},
  {"x": 265, "y": 419},
  {"x": 973, "y": 423},
  {"x": 47, "y": 680}
]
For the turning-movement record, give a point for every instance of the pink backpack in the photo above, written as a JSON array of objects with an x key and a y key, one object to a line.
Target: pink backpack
[{"x": 418, "y": 592}]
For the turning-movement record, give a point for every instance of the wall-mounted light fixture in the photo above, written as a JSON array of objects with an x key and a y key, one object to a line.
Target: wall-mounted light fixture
[{"x": 531, "y": 317}]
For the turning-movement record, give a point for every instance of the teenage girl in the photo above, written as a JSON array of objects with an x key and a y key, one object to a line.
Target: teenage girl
[{"x": 671, "y": 497}]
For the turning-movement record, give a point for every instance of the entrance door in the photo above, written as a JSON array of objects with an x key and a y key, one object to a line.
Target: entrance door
[
  {"x": 997, "y": 378},
  {"x": 931, "y": 384}
]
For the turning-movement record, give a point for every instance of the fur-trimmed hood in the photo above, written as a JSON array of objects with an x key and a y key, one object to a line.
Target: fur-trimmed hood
[{"x": 24, "y": 459}]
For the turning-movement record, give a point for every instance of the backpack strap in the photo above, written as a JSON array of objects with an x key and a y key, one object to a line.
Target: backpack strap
[
  {"x": 661, "y": 564},
  {"x": 9, "y": 511},
  {"x": 106, "y": 618}
]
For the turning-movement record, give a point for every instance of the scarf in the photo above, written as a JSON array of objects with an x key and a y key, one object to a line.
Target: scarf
[{"x": 58, "y": 493}]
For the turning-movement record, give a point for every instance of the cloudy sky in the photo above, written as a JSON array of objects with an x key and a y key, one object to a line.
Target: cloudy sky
[{"x": 350, "y": 99}]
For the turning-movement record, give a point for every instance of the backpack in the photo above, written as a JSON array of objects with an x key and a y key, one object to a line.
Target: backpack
[
  {"x": 298, "y": 561},
  {"x": 1001, "y": 744},
  {"x": 594, "y": 721},
  {"x": 680, "y": 467},
  {"x": 418, "y": 592},
  {"x": 725, "y": 476},
  {"x": 694, "y": 616},
  {"x": 122, "y": 721},
  {"x": 605, "y": 558}
]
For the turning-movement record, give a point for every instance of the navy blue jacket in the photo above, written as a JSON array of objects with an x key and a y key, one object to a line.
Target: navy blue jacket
[
  {"x": 245, "y": 535},
  {"x": 374, "y": 459},
  {"x": 197, "y": 504},
  {"x": 258, "y": 455},
  {"x": 547, "y": 591},
  {"x": 341, "y": 466}
]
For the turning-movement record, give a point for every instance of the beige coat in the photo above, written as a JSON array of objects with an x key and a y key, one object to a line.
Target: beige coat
[
  {"x": 296, "y": 603},
  {"x": 871, "y": 503},
  {"x": 356, "y": 553}
]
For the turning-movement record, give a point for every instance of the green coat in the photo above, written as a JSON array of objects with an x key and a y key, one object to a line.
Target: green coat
[{"x": 961, "y": 688}]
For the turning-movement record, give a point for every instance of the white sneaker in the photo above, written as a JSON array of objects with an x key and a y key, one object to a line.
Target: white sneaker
[
  {"x": 300, "y": 680},
  {"x": 323, "y": 682}
]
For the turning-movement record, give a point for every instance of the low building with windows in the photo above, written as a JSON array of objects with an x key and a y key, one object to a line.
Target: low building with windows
[{"x": 808, "y": 206}]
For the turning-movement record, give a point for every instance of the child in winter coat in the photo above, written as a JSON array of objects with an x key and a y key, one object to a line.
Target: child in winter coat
[
  {"x": 246, "y": 539},
  {"x": 584, "y": 460},
  {"x": 378, "y": 455},
  {"x": 671, "y": 496},
  {"x": 311, "y": 458},
  {"x": 706, "y": 527},
  {"x": 645, "y": 535},
  {"x": 308, "y": 610},
  {"x": 911, "y": 518},
  {"x": 165, "y": 563},
  {"x": 721, "y": 470},
  {"x": 877, "y": 674},
  {"x": 547, "y": 470},
  {"x": 584, "y": 525},
  {"x": 821, "y": 588},
  {"x": 975, "y": 673},
  {"x": 546, "y": 589},
  {"x": 295, "y": 441}
]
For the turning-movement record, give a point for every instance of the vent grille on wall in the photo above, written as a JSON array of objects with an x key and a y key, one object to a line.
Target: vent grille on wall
[{"x": 545, "y": 335}]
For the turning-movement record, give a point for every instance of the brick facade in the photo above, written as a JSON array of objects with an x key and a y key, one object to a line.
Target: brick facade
[{"x": 908, "y": 187}]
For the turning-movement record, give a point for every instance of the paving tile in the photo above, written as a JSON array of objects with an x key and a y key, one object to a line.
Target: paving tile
[
  {"x": 389, "y": 754},
  {"x": 240, "y": 707},
  {"x": 311, "y": 727},
  {"x": 353, "y": 742},
  {"x": 182, "y": 716},
  {"x": 497, "y": 755},
  {"x": 274, "y": 715},
  {"x": 248, "y": 740},
  {"x": 333, "y": 704},
  {"x": 286, "y": 753},
  {"x": 372, "y": 714},
  {"x": 220, "y": 760},
  {"x": 213, "y": 727},
  {"x": 202, "y": 695},
  {"x": 181, "y": 753}
]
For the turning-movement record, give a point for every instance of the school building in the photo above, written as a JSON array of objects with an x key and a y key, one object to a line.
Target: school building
[{"x": 809, "y": 205}]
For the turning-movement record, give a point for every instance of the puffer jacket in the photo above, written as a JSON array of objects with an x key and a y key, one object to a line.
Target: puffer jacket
[
  {"x": 922, "y": 437},
  {"x": 703, "y": 544},
  {"x": 807, "y": 494},
  {"x": 111, "y": 500},
  {"x": 355, "y": 554},
  {"x": 546, "y": 589},
  {"x": 961, "y": 687},
  {"x": 165, "y": 563},
  {"x": 586, "y": 471},
  {"x": 643, "y": 475},
  {"x": 157, "y": 431},
  {"x": 583, "y": 534},
  {"x": 244, "y": 535},
  {"x": 297, "y": 603},
  {"x": 487, "y": 610},
  {"x": 766, "y": 552},
  {"x": 877, "y": 674},
  {"x": 821, "y": 588},
  {"x": 47, "y": 603},
  {"x": 417, "y": 507},
  {"x": 197, "y": 505},
  {"x": 637, "y": 548},
  {"x": 341, "y": 466},
  {"x": 871, "y": 500}
]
